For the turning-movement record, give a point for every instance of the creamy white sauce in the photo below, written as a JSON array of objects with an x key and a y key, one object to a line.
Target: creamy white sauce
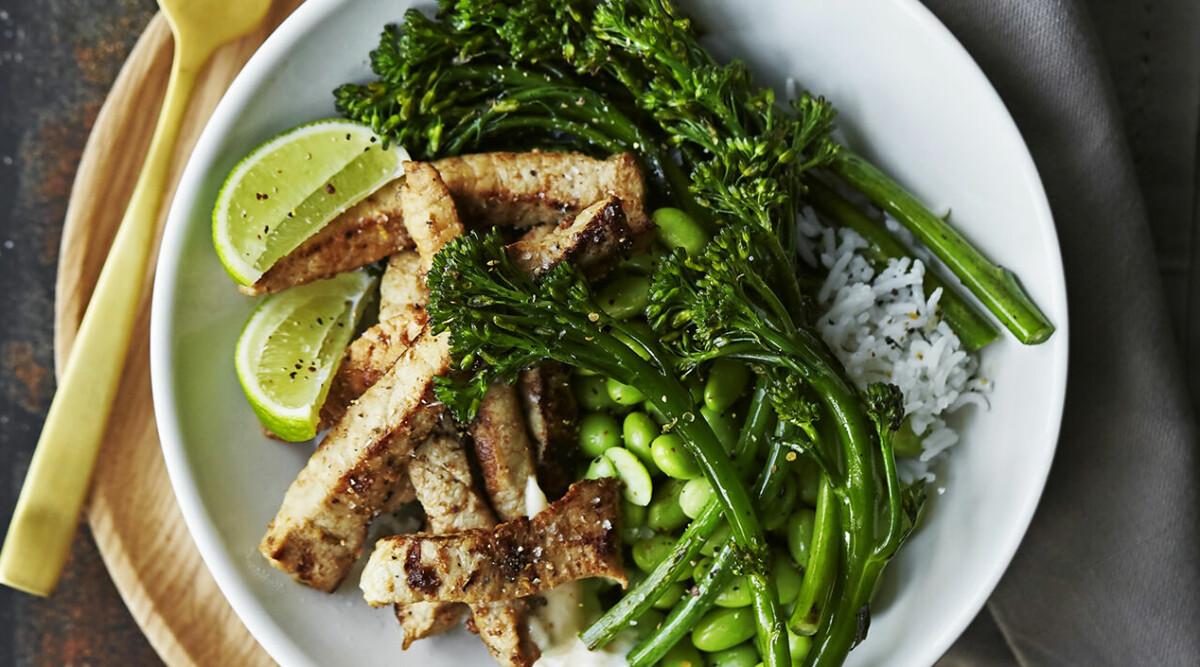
[{"x": 555, "y": 626}]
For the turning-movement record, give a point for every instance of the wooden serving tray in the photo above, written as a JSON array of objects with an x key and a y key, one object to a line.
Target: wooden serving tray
[{"x": 132, "y": 511}]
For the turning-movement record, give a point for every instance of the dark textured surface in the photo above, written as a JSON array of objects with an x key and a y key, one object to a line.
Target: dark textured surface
[{"x": 59, "y": 57}]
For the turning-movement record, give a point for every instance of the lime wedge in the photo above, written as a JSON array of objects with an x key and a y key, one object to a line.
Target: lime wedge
[
  {"x": 291, "y": 346},
  {"x": 288, "y": 188}
]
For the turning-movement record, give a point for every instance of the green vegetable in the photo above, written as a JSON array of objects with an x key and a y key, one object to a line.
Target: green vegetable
[
  {"x": 625, "y": 297},
  {"x": 623, "y": 394},
  {"x": 673, "y": 458},
  {"x": 742, "y": 655},
  {"x": 799, "y": 535},
  {"x": 597, "y": 433},
  {"x": 727, "y": 381},
  {"x": 683, "y": 655},
  {"x": 677, "y": 229},
  {"x": 695, "y": 496},
  {"x": 599, "y": 468},
  {"x": 670, "y": 597},
  {"x": 638, "y": 431},
  {"x": 592, "y": 392},
  {"x": 664, "y": 514},
  {"x": 633, "y": 521},
  {"x": 722, "y": 424},
  {"x": 722, "y": 629},
  {"x": 787, "y": 578},
  {"x": 648, "y": 553},
  {"x": 637, "y": 486}
]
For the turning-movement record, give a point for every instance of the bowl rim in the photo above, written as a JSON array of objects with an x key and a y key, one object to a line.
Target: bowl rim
[{"x": 242, "y": 90}]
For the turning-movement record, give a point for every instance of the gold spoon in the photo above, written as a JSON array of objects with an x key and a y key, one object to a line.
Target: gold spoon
[{"x": 47, "y": 512}]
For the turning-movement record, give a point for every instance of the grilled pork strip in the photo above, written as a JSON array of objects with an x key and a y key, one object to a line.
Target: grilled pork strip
[
  {"x": 512, "y": 189},
  {"x": 442, "y": 479},
  {"x": 402, "y": 297},
  {"x": 428, "y": 211},
  {"x": 367, "y": 232},
  {"x": 594, "y": 240},
  {"x": 502, "y": 447},
  {"x": 402, "y": 286},
  {"x": 527, "y": 189},
  {"x": 550, "y": 416},
  {"x": 320, "y": 528},
  {"x": 574, "y": 538}
]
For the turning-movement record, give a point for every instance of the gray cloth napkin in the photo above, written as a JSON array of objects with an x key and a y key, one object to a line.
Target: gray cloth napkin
[{"x": 1109, "y": 573}]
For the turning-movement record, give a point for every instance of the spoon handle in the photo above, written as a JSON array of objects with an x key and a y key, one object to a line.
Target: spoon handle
[{"x": 47, "y": 512}]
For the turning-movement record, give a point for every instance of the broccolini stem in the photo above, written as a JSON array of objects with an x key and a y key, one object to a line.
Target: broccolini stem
[
  {"x": 974, "y": 328},
  {"x": 997, "y": 287}
]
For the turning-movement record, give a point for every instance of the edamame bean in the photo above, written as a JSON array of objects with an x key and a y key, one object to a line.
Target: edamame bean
[
  {"x": 637, "y": 486},
  {"x": 782, "y": 506},
  {"x": 723, "y": 424},
  {"x": 695, "y": 496},
  {"x": 798, "y": 647},
  {"x": 677, "y": 229},
  {"x": 799, "y": 534},
  {"x": 639, "y": 430},
  {"x": 599, "y": 468},
  {"x": 648, "y": 624},
  {"x": 719, "y": 538},
  {"x": 664, "y": 514},
  {"x": 742, "y": 655},
  {"x": 592, "y": 392},
  {"x": 623, "y": 394},
  {"x": 597, "y": 432},
  {"x": 625, "y": 297},
  {"x": 645, "y": 263},
  {"x": 673, "y": 458},
  {"x": 670, "y": 597},
  {"x": 722, "y": 629},
  {"x": 735, "y": 594},
  {"x": 726, "y": 384},
  {"x": 810, "y": 483},
  {"x": 648, "y": 553},
  {"x": 695, "y": 387},
  {"x": 787, "y": 578},
  {"x": 682, "y": 654},
  {"x": 633, "y": 522},
  {"x": 907, "y": 444}
]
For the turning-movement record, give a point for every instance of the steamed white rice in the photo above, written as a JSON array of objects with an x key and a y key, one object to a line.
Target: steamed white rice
[{"x": 883, "y": 327}]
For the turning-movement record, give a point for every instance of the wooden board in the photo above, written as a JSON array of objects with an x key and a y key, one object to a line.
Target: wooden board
[{"x": 132, "y": 510}]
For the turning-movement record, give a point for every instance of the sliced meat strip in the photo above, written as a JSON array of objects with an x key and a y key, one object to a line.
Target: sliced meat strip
[
  {"x": 402, "y": 286},
  {"x": 574, "y": 538},
  {"x": 441, "y": 477},
  {"x": 594, "y": 240},
  {"x": 550, "y": 417},
  {"x": 427, "y": 619},
  {"x": 510, "y": 189},
  {"x": 526, "y": 189},
  {"x": 366, "y": 233},
  {"x": 320, "y": 528},
  {"x": 368, "y": 358},
  {"x": 428, "y": 211},
  {"x": 502, "y": 448}
]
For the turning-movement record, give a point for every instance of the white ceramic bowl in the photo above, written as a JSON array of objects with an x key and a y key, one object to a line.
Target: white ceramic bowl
[{"x": 909, "y": 97}]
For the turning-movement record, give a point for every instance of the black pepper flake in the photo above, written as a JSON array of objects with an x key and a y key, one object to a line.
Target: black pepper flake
[
  {"x": 260, "y": 196},
  {"x": 329, "y": 188}
]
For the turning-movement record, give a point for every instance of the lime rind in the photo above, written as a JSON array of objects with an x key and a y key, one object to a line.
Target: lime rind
[
  {"x": 291, "y": 186},
  {"x": 291, "y": 346}
]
